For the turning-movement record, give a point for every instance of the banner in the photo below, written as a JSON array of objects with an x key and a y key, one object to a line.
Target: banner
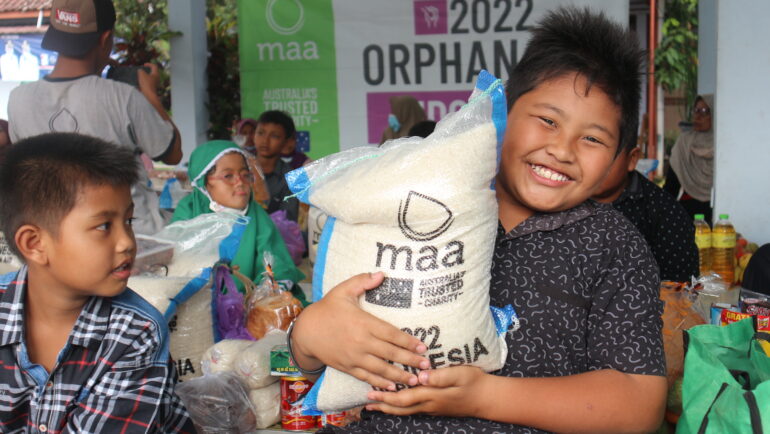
[
  {"x": 23, "y": 59},
  {"x": 334, "y": 64}
]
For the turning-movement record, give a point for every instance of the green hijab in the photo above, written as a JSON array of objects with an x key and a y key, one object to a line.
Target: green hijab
[{"x": 260, "y": 235}]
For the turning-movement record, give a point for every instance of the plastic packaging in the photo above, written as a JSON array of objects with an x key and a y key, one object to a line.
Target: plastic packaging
[
  {"x": 291, "y": 234},
  {"x": 723, "y": 251},
  {"x": 231, "y": 323},
  {"x": 679, "y": 314},
  {"x": 423, "y": 211},
  {"x": 197, "y": 241},
  {"x": 8, "y": 261},
  {"x": 269, "y": 307},
  {"x": 703, "y": 241},
  {"x": 190, "y": 322},
  {"x": 267, "y": 404},
  {"x": 220, "y": 356},
  {"x": 152, "y": 256},
  {"x": 252, "y": 363},
  {"x": 218, "y": 403}
]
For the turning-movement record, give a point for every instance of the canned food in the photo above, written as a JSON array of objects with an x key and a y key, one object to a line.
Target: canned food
[
  {"x": 336, "y": 419},
  {"x": 293, "y": 391}
]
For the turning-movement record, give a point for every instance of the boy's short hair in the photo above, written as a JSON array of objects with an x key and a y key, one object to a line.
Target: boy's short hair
[
  {"x": 41, "y": 177},
  {"x": 281, "y": 118},
  {"x": 572, "y": 40}
]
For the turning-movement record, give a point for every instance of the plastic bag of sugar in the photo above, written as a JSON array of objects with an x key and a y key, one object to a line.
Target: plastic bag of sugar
[{"x": 424, "y": 212}]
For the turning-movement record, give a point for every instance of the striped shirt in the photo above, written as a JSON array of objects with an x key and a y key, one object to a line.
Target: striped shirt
[{"x": 114, "y": 374}]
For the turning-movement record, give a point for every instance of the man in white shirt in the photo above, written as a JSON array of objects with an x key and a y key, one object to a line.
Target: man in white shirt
[{"x": 74, "y": 98}]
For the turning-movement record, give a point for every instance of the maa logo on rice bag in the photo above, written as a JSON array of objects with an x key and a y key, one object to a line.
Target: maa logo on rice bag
[{"x": 424, "y": 212}]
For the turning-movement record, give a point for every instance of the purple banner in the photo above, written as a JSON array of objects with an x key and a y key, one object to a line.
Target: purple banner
[{"x": 436, "y": 104}]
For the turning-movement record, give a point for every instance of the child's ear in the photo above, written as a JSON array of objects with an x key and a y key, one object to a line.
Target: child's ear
[
  {"x": 633, "y": 157},
  {"x": 31, "y": 242}
]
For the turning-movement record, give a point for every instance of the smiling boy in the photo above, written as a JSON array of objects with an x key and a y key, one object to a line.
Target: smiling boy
[
  {"x": 80, "y": 352},
  {"x": 588, "y": 356}
]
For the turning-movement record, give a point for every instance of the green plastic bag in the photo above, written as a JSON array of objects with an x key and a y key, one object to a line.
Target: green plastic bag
[{"x": 726, "y": 387}]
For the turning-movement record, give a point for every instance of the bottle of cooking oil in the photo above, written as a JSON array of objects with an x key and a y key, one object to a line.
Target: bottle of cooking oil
[
  {"x": 723, "y": 240},
  {"x": 703, "y": 241}
]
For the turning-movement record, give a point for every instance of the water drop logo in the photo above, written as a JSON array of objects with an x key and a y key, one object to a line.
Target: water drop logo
[
  {"x": 430, "y": 218},
  {"x": 282, "y": 28}
]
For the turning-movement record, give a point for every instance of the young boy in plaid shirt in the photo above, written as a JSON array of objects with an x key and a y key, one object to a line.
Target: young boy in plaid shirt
[{"x": 79, "y": 352}]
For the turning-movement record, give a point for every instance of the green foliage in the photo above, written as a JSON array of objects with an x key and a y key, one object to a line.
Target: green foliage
[
  {"x": 224, "y": 80},
  {"x": 142, "y": 36},
  {"x": 676, "y": 58}
]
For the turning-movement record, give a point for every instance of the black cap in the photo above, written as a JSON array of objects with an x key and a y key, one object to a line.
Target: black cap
[{"x": 77, "y": 24}]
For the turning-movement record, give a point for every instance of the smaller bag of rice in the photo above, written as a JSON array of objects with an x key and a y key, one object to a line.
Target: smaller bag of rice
[
  {"x": 220, "y": 356},
  {"x": 252, "y": 363},
  {"x": 267, "y": 403},
  {"x": 423, "y": 211},
  {"x": 186, "y": 305}
]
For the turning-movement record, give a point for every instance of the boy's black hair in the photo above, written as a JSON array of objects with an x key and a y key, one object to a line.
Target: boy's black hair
[
  {"x": 41, "y": 177},
  {"x": 281, "y": 118},
  {"x": 571, "y": 40}
]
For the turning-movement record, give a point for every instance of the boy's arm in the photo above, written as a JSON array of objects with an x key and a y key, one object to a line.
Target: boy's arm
[
  {"x": 598, "y": 401},
  {"x": 334, "y": 331}
]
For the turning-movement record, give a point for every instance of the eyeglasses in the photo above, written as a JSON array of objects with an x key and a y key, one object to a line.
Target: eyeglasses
[
  {"x": 232, "y": 178},
  {"x": 701, "y": 111}
]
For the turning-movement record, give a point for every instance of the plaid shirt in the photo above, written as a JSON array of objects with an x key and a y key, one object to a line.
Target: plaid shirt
[{"x": 113, "y": 375}]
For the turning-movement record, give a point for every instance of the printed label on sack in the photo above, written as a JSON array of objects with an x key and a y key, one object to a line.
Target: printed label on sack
[
  {"x": 723, "y": 241},
  {"x": 441, "y": 356},
  {"x": 6, "y": 256}
]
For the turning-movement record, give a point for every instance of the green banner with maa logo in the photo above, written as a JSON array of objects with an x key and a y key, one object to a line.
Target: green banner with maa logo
[{"x": 288, "y": 62}]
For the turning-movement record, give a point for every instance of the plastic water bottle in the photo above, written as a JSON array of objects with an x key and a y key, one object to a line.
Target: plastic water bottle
[
  {"x": 723, "y": 239},
  {"x": 703, "y": 241}
]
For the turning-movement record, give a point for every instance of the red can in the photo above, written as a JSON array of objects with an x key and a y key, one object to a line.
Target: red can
[
  {"x": 293, "y": 390},
  {"x": 336, "y": 419}
]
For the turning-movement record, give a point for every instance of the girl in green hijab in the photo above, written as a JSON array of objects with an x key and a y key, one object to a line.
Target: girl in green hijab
[{"x": 222, "y": 183}]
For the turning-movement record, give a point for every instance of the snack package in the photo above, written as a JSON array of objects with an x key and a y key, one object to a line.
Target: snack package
[
  {"x": 424, "y": 212},
  {"x": 252, "y": 363},
  {"x": 761, "y": 322},
  {"x": 267, "y": 404},
  {"x": 218, "y": 403},
  {"x": 269, "y": 307},
  {"x": 754, "y": 303},
  {"x": 678, "y": 315},
  {"x": 220, "y": 356}
]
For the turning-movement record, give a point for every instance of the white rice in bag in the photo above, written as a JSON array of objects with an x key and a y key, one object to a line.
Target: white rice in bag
[
  {"x": 191, "y": 324},
  {"x": 423, "y": 212},
  {"x": 267, "y": 405}
]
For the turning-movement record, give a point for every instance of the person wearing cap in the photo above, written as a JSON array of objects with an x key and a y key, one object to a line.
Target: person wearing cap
[{"x": 74, "y": 98}]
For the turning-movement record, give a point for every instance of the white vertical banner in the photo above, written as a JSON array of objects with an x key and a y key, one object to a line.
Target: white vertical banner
[{"x": 430, "y": 49}]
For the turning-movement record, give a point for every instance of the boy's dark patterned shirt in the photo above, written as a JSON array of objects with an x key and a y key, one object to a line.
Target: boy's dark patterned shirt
[
  {"x": 113, "y": 375},
  {"x": 586, "y": 290}
]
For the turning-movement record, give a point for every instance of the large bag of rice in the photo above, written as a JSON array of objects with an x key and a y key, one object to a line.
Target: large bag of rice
[
  {"x": 424, "y": 212},
  {"x": 187, "y": 302},
  {"x": 186, "y": 305}
]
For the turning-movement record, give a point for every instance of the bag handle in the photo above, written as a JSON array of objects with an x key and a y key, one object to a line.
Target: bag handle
[
  {"x": 705, "y": 422},
  {"x": 756, "y": 418}
]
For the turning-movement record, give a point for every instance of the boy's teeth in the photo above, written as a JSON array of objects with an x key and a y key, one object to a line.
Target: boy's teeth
[{"x": 548, "y": 173}]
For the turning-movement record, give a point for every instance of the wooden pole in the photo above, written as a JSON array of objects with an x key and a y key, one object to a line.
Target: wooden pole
[{"x": 652, "y": 88}]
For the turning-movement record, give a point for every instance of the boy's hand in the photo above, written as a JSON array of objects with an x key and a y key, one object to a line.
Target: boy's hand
[
  {"x": 336, "y": 332},
  {"x": 458, "y": 391}
]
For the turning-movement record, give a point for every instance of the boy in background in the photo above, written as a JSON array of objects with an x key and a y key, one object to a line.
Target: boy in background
[
  {"x": 275, "y": 129},
  {"x": 588, "y": 355},
  {"x": 80, "y": 352},
  {"x": 664, "y": 223}
]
